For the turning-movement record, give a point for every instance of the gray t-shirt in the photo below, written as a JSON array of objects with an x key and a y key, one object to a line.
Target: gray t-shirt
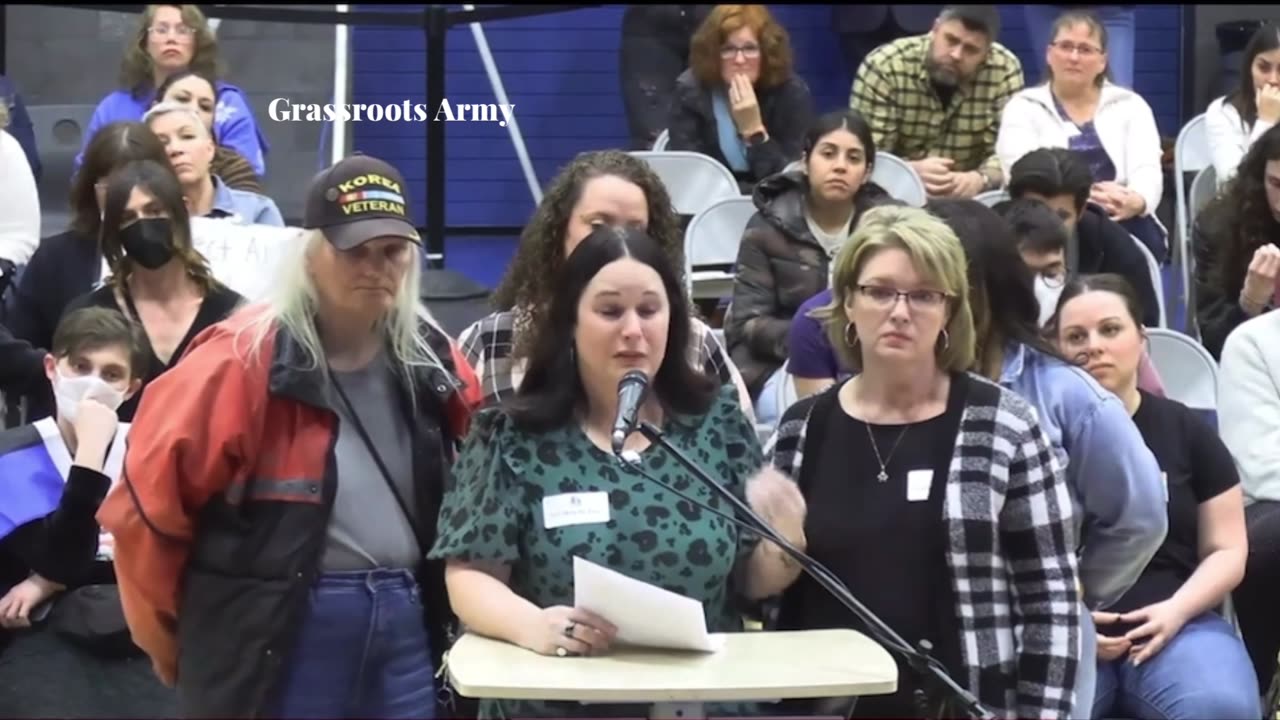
[{"x": 368, "y": 529}]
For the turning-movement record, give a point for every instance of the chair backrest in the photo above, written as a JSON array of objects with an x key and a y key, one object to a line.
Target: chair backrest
[
  {"x": 1157, "y": 280},
  {"x": 787, "y": 395},
  {"x": 991, "y": 198},
  {"x": 1188, "y": 371},
  {"x": 713, "y": 235},
  {"x": 661, "y": 143},
  {"x": 59, "y": 131},
  {"x": 1203, "y": 189},
  {"x": 1191, "y": 153},
  {"x": 899, "y": 179},
  {"x": 693, "y": 180}
]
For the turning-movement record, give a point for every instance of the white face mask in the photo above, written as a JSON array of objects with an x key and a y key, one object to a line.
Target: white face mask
[
  {"x": 69, "y": 391},
  {"x": 1047, "y": 297}
]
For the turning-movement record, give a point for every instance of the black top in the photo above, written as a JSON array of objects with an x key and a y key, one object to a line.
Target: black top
[
  {"x": 217, "y": 305},
  {"x": 1104, "y": 246},
  {"x": 885, "y": 540},
  {"x": 786, "y": 111},
  {"x": 21, "y": 366},
  {"x": 64, "y": 267},
  {"x": 1197, "y": 467}
]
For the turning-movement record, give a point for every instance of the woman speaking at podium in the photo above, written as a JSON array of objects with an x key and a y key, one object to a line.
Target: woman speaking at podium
[
  {"x": 537, "y": 484},
  {"x": 934, "y": 494}
]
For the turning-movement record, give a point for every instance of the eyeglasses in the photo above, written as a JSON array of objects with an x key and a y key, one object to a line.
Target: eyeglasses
[
  {"x": 885, "y": 297},
  {"x": 1066, "y": 47},
  {"x": 166, "y": 29},
  {"x": 1054, "y": 281},
  {"x": 750, "y": 52}
]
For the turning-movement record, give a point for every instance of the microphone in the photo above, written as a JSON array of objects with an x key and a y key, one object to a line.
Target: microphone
[
  {"x": 939, "y": 689},
  {"x": 631, "y": 392}
]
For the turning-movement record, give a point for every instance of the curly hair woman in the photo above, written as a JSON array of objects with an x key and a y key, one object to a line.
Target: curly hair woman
[
  {"x": 741, "y": 101},
  {"x": 606, "y": 187},
  {"x": 1235, "y": 236}
]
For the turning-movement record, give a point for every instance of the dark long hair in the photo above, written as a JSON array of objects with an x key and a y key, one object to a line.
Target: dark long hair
[
  {"x": 159, "y": 181},
  {"x": 111, "y": 148},
  {"x": 183, "y": 75},
  {"x": 1104, "y": 282},
  {"x": 1001, "y": 287},
  {"x": 1238, "y": 220},
  {"x": 1244, "y": 98},
  {"x": 552, "y": 390}
]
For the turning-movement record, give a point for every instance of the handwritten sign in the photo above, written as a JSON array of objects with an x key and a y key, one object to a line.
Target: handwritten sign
[{"x": 245, "y": 258}]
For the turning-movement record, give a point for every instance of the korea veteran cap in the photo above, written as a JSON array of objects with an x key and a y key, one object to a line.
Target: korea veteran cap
[{"x": 358, "y": 199}]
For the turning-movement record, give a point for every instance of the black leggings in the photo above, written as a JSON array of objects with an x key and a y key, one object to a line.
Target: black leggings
[{"x": 1256, "y": 597}]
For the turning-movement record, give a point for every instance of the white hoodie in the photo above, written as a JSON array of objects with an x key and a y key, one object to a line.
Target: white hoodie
[
  {"x": 19, "y": 203},
  {"x": 1124, "y": 122}
]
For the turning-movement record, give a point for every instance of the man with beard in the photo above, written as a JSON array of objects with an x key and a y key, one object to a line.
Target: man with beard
[{"x": 935, "y": 99}]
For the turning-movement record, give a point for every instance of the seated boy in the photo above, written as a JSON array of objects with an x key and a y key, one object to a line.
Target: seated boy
[{"x": 55, "y": 472}]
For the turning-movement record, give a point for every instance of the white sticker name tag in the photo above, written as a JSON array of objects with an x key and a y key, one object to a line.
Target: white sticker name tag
[
  {"x": 575, "y": 509},
  {"x": 919, "y": 483}
]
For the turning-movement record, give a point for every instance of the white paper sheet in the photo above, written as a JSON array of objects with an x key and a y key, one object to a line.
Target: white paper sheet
[{"x": 644, "y": 614}]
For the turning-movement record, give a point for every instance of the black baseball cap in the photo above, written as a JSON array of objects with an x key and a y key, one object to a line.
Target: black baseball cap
[{"x": 358, "y": 199}]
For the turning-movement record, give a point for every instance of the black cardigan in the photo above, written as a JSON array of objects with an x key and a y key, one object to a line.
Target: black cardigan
[{"x": 786, "y": 110}]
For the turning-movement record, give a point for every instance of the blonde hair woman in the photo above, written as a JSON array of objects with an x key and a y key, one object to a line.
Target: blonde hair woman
[
  {"x": 283, "y": 490},
  {"x": 954, "y": 468}
]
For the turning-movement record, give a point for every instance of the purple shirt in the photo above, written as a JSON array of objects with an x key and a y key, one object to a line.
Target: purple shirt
[{"x": 809, "y": 352}]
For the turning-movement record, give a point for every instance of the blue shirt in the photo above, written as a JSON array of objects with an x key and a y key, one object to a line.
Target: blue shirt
[
  {"x": 243, "y": 207},
  {"x": 1115, "y": 480},
  {"x": 233, "y": 123}
]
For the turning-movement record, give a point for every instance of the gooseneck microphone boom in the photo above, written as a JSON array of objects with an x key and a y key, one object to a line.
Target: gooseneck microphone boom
[
  {"x": 631, "y": 391},
  {"x": 941, "y": 686}
]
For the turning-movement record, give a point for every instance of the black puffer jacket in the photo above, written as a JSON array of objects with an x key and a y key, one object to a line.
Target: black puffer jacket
[{"x": 780, "y": 265}]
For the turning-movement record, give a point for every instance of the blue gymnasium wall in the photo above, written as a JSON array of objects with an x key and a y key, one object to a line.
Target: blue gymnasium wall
[{"x": 561, "y": 71}]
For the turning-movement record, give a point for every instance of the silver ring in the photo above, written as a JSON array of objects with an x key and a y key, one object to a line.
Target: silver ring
[{"x": 561, "y": 652}]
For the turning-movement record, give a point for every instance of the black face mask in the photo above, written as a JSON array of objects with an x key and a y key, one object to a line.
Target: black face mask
[{"x": 149, "y": 242}]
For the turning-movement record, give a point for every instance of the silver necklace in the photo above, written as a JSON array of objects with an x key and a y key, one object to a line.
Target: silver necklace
[{"x": 883, "y": 476}]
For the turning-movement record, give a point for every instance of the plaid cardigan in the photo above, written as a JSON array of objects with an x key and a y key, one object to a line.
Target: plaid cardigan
[{"x": 1012, "y": 551}]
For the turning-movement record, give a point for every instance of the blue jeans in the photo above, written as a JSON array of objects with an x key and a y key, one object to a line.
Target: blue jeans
[
  {"x": 362, "y": 651},
  {"x": 766, "y": 406},
  {"x": 1087, "y": 672},
  {"x": 1204, "y": 672},
  {"x": 1119, "y": 20}
]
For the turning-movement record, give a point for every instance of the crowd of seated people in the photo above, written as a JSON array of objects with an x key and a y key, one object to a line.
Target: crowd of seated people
[{"x": 289, "y": 485}]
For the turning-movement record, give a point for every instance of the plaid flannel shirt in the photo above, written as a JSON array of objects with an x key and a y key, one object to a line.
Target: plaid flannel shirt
[
  {"x": 893, "y": 92},
  {"x": 489, "y": 342},
  {"x": 1008, "y": 512}
]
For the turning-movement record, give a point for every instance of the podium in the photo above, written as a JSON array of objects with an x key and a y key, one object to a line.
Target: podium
[{"x": 749, "y": 667}]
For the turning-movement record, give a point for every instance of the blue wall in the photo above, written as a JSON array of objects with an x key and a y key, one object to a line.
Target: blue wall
[{"x": 561, "y": 71}]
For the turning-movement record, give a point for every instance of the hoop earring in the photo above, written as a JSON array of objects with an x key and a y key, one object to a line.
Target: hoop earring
[
  {"x": 946, "y": 340},
  {"x": 847, "y": 327}
]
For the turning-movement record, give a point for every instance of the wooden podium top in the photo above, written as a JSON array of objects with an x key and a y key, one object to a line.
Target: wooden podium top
[{"x": 751, "y": 666}]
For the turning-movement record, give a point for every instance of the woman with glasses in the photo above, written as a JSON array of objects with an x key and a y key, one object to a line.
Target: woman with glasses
[
  {"x": 906, "y": 449},
  {"x": 1079, "y": 108},
  {"x": 741, "y": 101},
  {"x": 169, "y": 39}
]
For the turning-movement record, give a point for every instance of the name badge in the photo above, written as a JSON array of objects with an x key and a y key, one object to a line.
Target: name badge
[
  {"x": 919, "y": 482},
  {"x": 581, "y": 508}
]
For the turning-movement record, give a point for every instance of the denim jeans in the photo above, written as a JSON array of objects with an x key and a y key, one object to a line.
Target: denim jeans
[
  {"x": 1204, "y": 672},
  {"x": 362, "y": 651},
  {"x": 1087, "y": 674},
  {"x": 1119, "y": 21}
]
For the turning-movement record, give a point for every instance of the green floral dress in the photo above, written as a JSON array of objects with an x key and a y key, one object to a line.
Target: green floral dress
[{"x": 493, "y": 511}]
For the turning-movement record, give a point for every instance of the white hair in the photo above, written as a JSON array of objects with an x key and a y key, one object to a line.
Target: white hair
[
  {"x": 166, "y": 108},
  {"x": 292, "y": 305}
]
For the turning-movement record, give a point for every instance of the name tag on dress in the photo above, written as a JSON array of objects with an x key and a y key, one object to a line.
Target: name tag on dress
[
  {"x": 575, "y": 509},
  {"x": 919, "y": 482}
]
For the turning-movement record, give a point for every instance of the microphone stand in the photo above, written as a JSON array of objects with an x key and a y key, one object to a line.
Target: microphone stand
[{"x": 926, "y": 667}]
